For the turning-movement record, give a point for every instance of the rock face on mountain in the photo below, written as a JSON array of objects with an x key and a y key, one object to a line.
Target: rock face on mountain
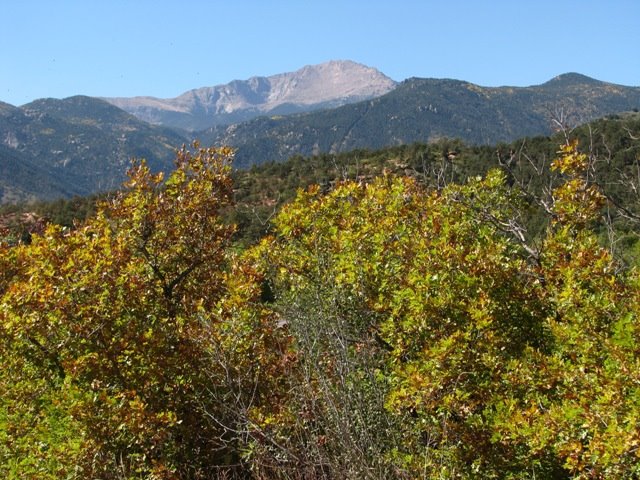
[{"x": 313, "y": 87}]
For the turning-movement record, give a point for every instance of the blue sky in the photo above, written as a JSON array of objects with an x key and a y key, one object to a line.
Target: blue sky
[{"x": 59, "y": 48}]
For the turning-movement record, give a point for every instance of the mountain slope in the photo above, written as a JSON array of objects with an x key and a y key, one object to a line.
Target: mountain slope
[
  {"x": 81, "y": 145},
  {"x": 313, "y": 87},
  {"x": 23, "y": 180},
  {"x": 76, "y": 146},
  {"x": 423, "y": 110}
]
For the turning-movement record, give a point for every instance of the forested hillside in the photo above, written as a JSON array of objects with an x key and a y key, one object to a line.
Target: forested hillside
[
  {"x": 80, "y": 145},
  {"x": 612, "y": 141},
  {"x": 260, "y": 191},
  {"x": 425, "y": 110},
  {"x": 425, "y": 311},
  {"x": 77, "y": 146}
]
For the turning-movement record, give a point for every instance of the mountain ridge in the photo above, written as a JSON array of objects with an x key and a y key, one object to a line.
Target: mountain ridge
[
  {"x": 426, "y": 109},
  {"x": 311, "y": 87},
  {"x": 76, "y": 146},
  {"x": 82, "y": 145},
  {"x": 572, "y": 78}
]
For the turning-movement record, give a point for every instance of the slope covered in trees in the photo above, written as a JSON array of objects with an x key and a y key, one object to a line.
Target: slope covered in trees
[
  {"x": 260, "y": 191},
  {"x": 425, "y": 110},
  {"x": 81, "y": 145},
  {"x": 423, "y": 316},
  {"x": 77, "y": 146}
]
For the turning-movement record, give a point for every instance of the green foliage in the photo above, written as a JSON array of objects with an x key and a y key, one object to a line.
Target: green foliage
[
  {"x": 127, "y": 340},
  {"x": 437, "y": 286},
  {"x": 422, "y": 317},
  {"x": 494, "y": 363}
]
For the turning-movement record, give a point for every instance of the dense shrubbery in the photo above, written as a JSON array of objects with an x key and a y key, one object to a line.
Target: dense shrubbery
[
  {"x": 386, "y": 328},
  {"x": 489, "y": 358},
  {"x": 134, "y": 346}
]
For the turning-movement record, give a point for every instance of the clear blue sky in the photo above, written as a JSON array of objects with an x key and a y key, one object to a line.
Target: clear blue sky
[{"x": 59, "y": 48}]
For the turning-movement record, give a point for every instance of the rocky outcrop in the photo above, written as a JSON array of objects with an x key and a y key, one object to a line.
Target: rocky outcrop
[{"x": 326, "y": 85}]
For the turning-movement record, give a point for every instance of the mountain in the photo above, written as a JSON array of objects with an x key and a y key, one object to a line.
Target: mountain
[
  {"x": 80, "y": 145},
  {"x": 423, "y": 110},
  {"x": 313, "y": 87}
]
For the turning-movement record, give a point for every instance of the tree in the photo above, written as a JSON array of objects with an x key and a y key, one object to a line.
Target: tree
[
  {"x": 141, "y": 330},
  {"x": 493, "y": 358},
  {"x": 582, "y": 402},
  {"x": 336, "y": 410},
  {"x": 385, "y": 330}
]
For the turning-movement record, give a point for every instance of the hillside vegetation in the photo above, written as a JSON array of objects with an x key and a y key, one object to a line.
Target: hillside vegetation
[
  {"x": 260, "y": 191},
  {"x": 80, "y": 145},
  {"x": 77, "y": 146},
  {"x": 426, "y": 311},
  {"x": 425, "y": 110}
]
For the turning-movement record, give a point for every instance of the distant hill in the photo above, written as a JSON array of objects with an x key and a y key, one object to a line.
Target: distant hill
[
  {"x": 23, "y": 180},
  {"x": 424, "y": 110},
  {"x": 313, "y": 87},
  {"x": 52, "y": 148}
]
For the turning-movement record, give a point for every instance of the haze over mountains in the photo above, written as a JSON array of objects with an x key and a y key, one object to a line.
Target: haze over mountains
[
  {"x": 313, "y": 87},
  {"x": 51, "y": 148}
]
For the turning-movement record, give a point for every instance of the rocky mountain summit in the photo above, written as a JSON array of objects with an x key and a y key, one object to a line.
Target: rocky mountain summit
[{"x": 313, "y": 87}]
